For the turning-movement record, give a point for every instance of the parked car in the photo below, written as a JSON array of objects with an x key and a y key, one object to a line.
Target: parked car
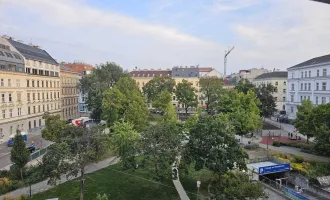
[{"x": 10, "y": 142}]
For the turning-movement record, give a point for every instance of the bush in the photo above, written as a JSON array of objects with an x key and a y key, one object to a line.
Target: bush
[
  {"x": 251, "y": 146},
  {"x": 4, "y": 173},
  {"x": 276, "y": 144},
  {"x": 298, "y": 159},
  {"x": 307, "y": 148}
]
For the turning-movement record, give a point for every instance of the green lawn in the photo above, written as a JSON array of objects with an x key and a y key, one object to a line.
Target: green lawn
[{"x": 116, "y": 185}]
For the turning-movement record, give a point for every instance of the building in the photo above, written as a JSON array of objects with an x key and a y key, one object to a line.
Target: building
[
  {"x": 83, "y": 69},
  {"x": 69, "y": 82},
  {"x": 29, "y": 86},
  {"x": 279, "y": 80},
  {"x": 308, "y": 81},
  {"x": 209, "y": 72},
  {"x": 250, "y": 74}
]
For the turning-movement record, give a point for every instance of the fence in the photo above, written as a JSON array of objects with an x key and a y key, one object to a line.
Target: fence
[{"x": 38, "y": 153}]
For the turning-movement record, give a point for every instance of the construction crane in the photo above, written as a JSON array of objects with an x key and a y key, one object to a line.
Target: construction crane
[{"x": 225, "y": 60}]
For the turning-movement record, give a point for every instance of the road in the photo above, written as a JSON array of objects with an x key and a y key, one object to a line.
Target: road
[{"x": 32, "y": 136}]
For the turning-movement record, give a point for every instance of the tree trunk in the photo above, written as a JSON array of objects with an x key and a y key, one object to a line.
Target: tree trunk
[
  {"x": 307, "y": 139},
  {"x": 21, "y": 173},
  {"x": 186, "y": 110},
  {"x": 82, "y": 182}
]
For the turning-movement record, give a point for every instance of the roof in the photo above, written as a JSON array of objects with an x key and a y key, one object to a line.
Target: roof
[
  {"x": 79, "y": 67},
  {"x": 32, "y": 52},
  {"x": 151, "y": 73},
  {"x": 205, "y": 69},
  {"x": 273, "y": 75},
  {"x": 64, "y": 68},
  {"x": 313, "y": 61}
]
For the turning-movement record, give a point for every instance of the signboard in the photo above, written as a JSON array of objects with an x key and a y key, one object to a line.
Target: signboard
[
  {"x": 294, "y": 195},
  {"x": 274, "y": 168},
  {"x": 198, "y": 184}
]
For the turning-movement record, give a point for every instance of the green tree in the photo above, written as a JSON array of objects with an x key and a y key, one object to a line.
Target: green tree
[
  {"x": 304, "y": 119},
  {"x": 157, "y": 85},
  {"x": 54, "y": 127},
  {"x": 211, "y": 90},
  {"x": 162, "y": 100},
  {"x": 185, "y": 94},
  {"x": 160, "y": 145},
  {"x": 124, "y": 142},
  {"x": 244, "y": 86},
  {"x": 264, "y": 93},
  {"x": 19, "y": 155},
  {"x": 235, "y": 185},
  {"x": 170, "y": 114},
  {"x": 125, "y": 101},
  {"x": 103, "y": 77}
]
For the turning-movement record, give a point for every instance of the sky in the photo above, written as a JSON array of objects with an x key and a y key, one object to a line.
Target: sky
[{"x": 160, "y": 34}]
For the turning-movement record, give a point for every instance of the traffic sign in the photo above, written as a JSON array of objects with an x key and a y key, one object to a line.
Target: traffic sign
[{"x": 198, "y": 184}]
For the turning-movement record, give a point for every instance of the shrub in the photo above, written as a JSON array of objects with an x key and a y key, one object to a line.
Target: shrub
[
  {"x": 251, "y": 146},
  {"x": 298, "y": 159},
  {"x": 101, "y": 197},
  {"x": 276, "y": 143},
  {"x": 4, "y": 173}
]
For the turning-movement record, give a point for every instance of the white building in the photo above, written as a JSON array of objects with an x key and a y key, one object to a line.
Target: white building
[
  {"x": 279, "y": 80},
  {"x": 308, "y": 81},
  {"x": 209, "y": 72}
]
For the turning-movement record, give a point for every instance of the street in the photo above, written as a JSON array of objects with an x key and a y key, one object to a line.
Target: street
[{"x": 32, "y": 136}]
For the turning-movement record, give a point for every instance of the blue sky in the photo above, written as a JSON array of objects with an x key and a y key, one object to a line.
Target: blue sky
[{"x": 166, "y": 33}]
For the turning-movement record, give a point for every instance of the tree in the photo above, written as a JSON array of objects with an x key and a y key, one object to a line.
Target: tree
[
  {"x": 162, "y": 100},
  {"x": 54, "y": 127},
  {"x": 105, "y": 76},
  {"x": 185, "y": 93},
  {"x": 158, "y": 85},
  {"x": 125, "y": 101},
  {"x": 170, "y": 114},
  {"x": 80, "y": 148},
  {"x": 160, "y": 145},
  {"x": 235, "y": 185},
  {"x": 303, "y": 121},
  {"x": 19, "y": 155},
  {"x": 244, "y": 86},
  {"x": 267, "y": 101},
  {"x": 211, "y": 89},
  {"x": 124, "y": 142}
]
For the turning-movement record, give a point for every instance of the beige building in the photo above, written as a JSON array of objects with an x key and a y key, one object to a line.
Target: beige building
[
  {"x": 29, "y": 86},
  {"x": 70, "y": 94},
  {"x": 250, "y": 74},
  {"x": 279, "y": 80}
]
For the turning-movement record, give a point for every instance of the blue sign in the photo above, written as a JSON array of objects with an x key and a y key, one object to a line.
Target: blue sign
[
  {"x": 274, "y": 168},
  {"x": 294, "y": 195}
]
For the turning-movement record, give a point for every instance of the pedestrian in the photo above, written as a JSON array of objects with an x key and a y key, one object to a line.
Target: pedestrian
[
  {"x": 288, "y": 134},
  {"x": 296, "y": 136}
]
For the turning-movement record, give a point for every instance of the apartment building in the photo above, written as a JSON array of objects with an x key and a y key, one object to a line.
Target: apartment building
[
  {"x": 279, "y": 80},
  {"x": 70, "y": 93},
  {"x": 209, "y": 72},
  {"x": 250, "y": 74},
  {"x": 29, "y": 86},
  {"x": 309, "y": 80}
]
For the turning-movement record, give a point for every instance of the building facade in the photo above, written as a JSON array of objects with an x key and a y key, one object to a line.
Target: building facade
[
  {"x": 209, "y": 72},
  {"x": 29, "y": 86},
  {"x": 279, "y": 80},
  {"x": 70, "y": 93},
  {"x": 250, "y": 74},
  {"x": 83, "y": 69},
  {"x": 309, "y": 80}
]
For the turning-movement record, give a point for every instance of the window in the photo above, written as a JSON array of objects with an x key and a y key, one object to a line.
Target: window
[
  {"x": 39, "y": 122},
  {"x": 276, "y": 83},
  {"x": 46, "y": 83},
  {"x": 29, "y": 110},
  {"x": 301, "y": 98},
  {"x": 284, "y": 90},
  {"x": 32, "y": 83},
  {"x": 324, "y": 72},
  {"x": 9, "y": 55},
  {"x": 317, "y": 86},
  {"x": 28, "y": 70},
  {"x": 34, "y": 109},
  {"x": 301, "y": 86},
  {"x": 50, "y": 83},
  {"x": 38, "y": 96},
  {"x": 304, "y": 97},
  {"x": 309, "y": 86},
  {"x": 292, "y": 98},
  {"x": 43, "y": 108},
  {"x": 302, "y": 74},
  {"x": 19, "y": 111},
  {"x": 37, "y": 83},
  {"x": 27, "y": 83},
  {"x": 33, "y": 96},
  {"x": 283, "y": 98},
  {"x": 10, "y": 113},
  {"x": 47, "y": 107},
  {"x": 2, "y": 82},
  {"x": 43, "y": 95},
  {"x": 317, "y": 73},
  {"x": 19, "y": 97},
  {"x": 305, "y": 74},
  {"x": 275, "y": 89},
  {"x": 292, "y": 86},
  {"x": 317, "y": 100},
  {"x": 291, "y": 109},
  {"x": 309, "y": 74},
  {"x": 305, "y": 86},
  {"x": 9, "y": 98},
  {"x": 28, "y": 96},
  {"x": 38, "y": 108},
  {"x": 323, "y": 100},
  {"x": 284, "y": 83},
  {"x": 34, "y": 71},
  {"x": 9, "y": 82},
  {"x": 309, "y": 98},
  {"x": 275, "y": 98},
  {"x": 29, "y": 124},
  {"x": 324, "y": 85},
  {"x": 47, "y": 95},
  {"x": 3, "y": 114},
  {"x": 3, "y": 98},
  {"x": 18, "y": 83},
  {"x": 42, "y": 83}
]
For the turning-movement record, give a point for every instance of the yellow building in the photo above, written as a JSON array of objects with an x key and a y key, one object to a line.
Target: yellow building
[
  {"x": 70, "y": 94},
  {"x": 29, "y": 86}
]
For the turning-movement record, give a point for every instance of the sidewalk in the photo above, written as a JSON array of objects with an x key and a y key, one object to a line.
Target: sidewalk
[
  {"x": 42, "y": 186},
  {"x": 179, "y": 188}
]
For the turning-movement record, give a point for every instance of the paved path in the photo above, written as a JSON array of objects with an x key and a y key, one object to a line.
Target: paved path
[
  {"x": 42, "y": 186},
  {"x": 179, "y": 188}
]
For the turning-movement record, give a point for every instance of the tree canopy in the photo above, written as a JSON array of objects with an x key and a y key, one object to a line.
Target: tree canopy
[
  {"x": 158, "y": 85},
  {"x": 264, "y": 93},
  {"x": 304, "y": 119},
  {"x": 244, "y": 86},
  {"x": 19, "y": 155},
  {"x": 185, "y": 94},
  {"x": 125, "y": 101},
  {"x": 54, "y": 127},
  {"x": 211, "y": 90}
]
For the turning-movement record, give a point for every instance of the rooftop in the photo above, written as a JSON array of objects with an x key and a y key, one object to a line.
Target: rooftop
[
  {"x": 150, "y": 73},
  {"x": 313, "y": 61},
  {"x": 272, "y": 75},
  {"x": 32, "y": 52},
  {"x": 79, "y": 67},
  {"x": 205, "y": 69},
  {"x": 65, "y": 68}
]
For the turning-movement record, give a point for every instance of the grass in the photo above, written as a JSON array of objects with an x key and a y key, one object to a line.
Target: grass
[{"x": 117, "y": 185}]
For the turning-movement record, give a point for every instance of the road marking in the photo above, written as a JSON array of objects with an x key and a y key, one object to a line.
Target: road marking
[{"x": 4, "y": 154}]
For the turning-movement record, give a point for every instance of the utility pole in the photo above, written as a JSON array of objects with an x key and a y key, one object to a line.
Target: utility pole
[{"x": 225, "y": 60}]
